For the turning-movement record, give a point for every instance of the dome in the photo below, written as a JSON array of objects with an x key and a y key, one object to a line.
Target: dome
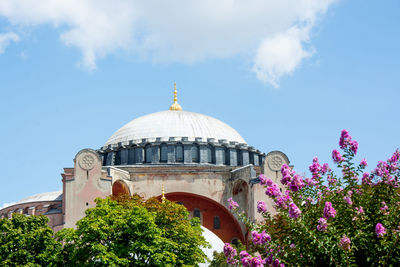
[{"x": 175, "y": 123}]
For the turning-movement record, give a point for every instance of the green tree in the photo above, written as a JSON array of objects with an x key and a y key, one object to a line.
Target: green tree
[
  {"x": 28, "y": 241},
  {"x": 129, "y": 231}
]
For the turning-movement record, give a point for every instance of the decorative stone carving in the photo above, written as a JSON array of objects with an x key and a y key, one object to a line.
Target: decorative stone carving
[
  {"x": 87, "y": 162},
  {"x": 275, "y": 162}
]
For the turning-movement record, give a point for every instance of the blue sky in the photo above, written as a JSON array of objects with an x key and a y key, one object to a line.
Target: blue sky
[{"x": 292, "y": 85}]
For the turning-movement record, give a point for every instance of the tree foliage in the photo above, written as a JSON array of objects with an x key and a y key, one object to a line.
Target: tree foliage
[
  {"x": 123, "y": 231},
  {"x": 28, "y": 241},
  {"x": 129, "y": 231},
  {"x": 328, "y": 219}
]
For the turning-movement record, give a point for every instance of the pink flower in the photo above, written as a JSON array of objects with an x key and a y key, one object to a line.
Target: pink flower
[
  {"x": 348, "y": 200},
  {"x": 229, "y": 250},
  {"x": 261, "y": 206},
  {"x": 345, "y": 243},
  {"x": 366, "y": 179},
  {"x": 380, "y": 230},
  {"x": 363, "y": 163},
  {"x": 344, "y": 139},
  {"x": 325, "y": 168},
  {"x": 296, "y": 183},
  {"x": 354, "y": 146},
  {"x": 257, "y": 262},
  {"x": 265, "y": 237},
  {"x": 323, "y": 224},
  {"x": 232, "y": 204},
  {"x": 256, "y": 238},
  {"x": 286, "y": 174},
  {"x": 273, "y": 190},
  {"x": 263, "y": 179},
  {"x": 360, "y": 210},
  {"x": 245, "y": 258},
  {"x": 329, "y": 211},
  {"x": 294, "y": 211},
  {"x": 337, "y": 158},
  {"x": 384, "y": 208}
]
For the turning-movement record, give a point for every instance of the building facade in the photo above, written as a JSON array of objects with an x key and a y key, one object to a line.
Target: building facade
[{"x": 198, "y": 160}]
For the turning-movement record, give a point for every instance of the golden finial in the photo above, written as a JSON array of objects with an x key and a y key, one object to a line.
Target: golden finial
[
  {"x": 162, "y": 194},
  {"x": 175, "y": 105}
]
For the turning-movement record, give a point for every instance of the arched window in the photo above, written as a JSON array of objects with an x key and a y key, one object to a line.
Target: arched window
[
  {"x": 217, "y": 223},
  {"x": 210, "y": 154},
  {"x": 195, "y": 153},
  {"x": 118, "y": 158},
  {"x": 179, "y": 153},
  {"x": 164, "y": 153},
  {"x": 149, "y": 154},
  {"x": 196, "y": 213},
  {"x": 120, "y": 188},
  {"x": 235, "y": 241}
]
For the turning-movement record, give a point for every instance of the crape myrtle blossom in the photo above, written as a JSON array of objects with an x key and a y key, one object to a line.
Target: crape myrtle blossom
[
  {"x": 245, "y": 258},
  {"x": 294, "y": 211},
  {"x": 366, "y": 179},
  {"x": 286, "y": 174},
  {"x": 337, "y": 158},
  {"x": 322, "y": 224},
  {"x": 326, "y": 205},
  {"x": 273, "y": 190},
  {"x": 360, "y": 210},
  {"x": 348, "y": 200},
  {"x": 329, "y": 211},
  {"x": 344, "y": 242},
  {"x": 263, "y": 179},
  {"x": 384, "y": 208},
  {"x": 380, "y": 230},
  {"x": 232, "y": 204},
  {"x": 363, "y": 163},
  {"x": 261, "y": 206},
  {"x": 230, "y": 254},
  {"x": 260, "y": 238}
]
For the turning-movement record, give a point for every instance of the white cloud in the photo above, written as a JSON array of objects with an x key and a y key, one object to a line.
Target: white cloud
[
  {"x": 179, "y": 30},
  {"x": 6, "y": 39},
  {"x": 280, "y": 54}
]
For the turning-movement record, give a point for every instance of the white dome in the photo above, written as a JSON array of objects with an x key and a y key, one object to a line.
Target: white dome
[
  {"x": 166, "y": 124},
  {"x": 215, "y": 242}
]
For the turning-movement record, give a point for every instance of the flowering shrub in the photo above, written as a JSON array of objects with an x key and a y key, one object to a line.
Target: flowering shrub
[{"x": 328, "y": 219}]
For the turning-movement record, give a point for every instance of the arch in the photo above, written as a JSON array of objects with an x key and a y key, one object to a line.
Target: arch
[
  {"x": 240, "y": 193},
  {"x": 229, "y": 227},
  {"x": 119, "y": 187}
]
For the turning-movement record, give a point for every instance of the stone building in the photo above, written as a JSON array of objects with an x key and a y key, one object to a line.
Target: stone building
[{"x": 199, "y": 160}]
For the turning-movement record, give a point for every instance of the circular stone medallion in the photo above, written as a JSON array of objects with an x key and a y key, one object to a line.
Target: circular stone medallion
[
  {"x": 275, "y": 162},
  {"x": 87, "y": 162}
]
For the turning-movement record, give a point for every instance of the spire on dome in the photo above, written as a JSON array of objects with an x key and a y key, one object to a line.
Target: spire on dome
[{"x": 175, "y": 105}]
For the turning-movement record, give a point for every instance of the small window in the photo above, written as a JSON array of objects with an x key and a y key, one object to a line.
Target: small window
[
  {"x": 235, "y": 241},
  {"x": 164, "y": 153},
  {"x": 149, "y": 154},
  {"x": 118, "y": 158},
  {"x": 217, "y": 223},
  {"x": 179, "y": 153},
  {"x": 195, "y": 153},
  {"x": 209, "y": 154},
  {"x": 196, "y": 213}
]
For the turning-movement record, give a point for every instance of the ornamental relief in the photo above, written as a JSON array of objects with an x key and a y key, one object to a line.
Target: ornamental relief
[
  {"x": 275, "y": 162},
  {"x": 87, "y": 161}
]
